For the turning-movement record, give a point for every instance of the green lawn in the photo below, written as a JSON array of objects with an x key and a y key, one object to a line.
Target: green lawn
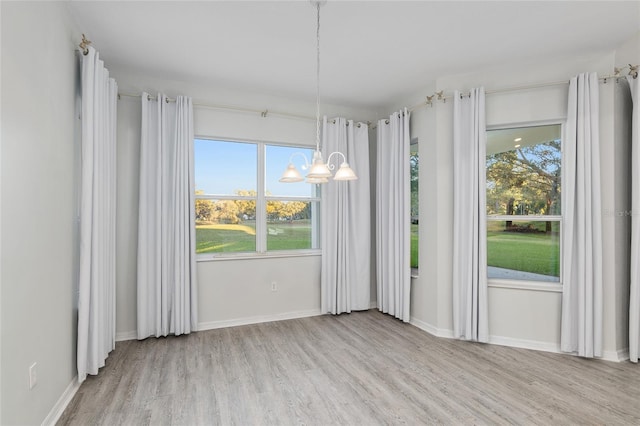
[
  {"x": 414, "y": 246},
  {"x": 289, "y": 236},
  {"x": 225, "y": 238},
  {"x": 529, "y": 252}
]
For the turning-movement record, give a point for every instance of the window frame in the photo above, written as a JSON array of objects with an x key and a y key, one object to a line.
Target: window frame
[
  {"x": 261, "y": 200},
  {"x": 544, "y": 286}
]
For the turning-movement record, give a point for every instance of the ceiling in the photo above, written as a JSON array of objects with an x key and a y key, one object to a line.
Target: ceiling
[
  {"x": 502, "y": 140},
  {"x": 373, "y": 53}
]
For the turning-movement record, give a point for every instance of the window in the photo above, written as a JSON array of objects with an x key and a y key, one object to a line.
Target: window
[
  {"x": 414, "y": 165},
  {"x": 524, "y": 171},
  {"x": 242, "y": 208}
]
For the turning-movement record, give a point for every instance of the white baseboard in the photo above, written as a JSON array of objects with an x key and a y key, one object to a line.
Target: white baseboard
[
  {"x": 535, "y": 345},
  {"x": 258, "y": 319},
  {"x": 61, "y": 404},
  {"x": 494, "y": 340},
  {"x": 438, "y": 332},
  {"x": 126, "y": 335},
  {"x": 617, "y": 356},
  {"x": 211, "y": 325}
]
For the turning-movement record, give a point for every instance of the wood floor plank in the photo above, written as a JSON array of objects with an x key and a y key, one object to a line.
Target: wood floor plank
[{"x": 364, "y": 368}]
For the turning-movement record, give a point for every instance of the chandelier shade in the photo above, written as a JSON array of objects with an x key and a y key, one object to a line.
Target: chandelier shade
[
  {"x": 291, "y": 175},
  {"x": 318, "y": 168},
  {"x": 316, "y": 180},
  {"x": 345, "y": 173}
]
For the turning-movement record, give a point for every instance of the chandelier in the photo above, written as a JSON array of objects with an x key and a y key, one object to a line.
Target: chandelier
[{"x": 319, "y": 171}]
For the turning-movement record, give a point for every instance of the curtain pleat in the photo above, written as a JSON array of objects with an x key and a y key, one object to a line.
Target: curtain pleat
[
  {"x": 582, "y": 300},
  {"x": 470, "y": 292},
  {"x": 393, "y": 216},
  {"x": 96, "y": 295},
  {"x": 345, "y": 213},
  {"x": 167, "y": 288},
  {"x": 634, "y": 293}
]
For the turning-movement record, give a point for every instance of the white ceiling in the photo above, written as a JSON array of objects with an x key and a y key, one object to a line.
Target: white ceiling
[
  {"x": 502, "y": 140},
  {"x": 372, "y": 52}
]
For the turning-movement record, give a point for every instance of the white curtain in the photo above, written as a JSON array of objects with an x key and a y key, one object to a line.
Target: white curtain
[
  {"x": 167, "y": 291},
  {"x": 96, "y": 303},
  {"x": 393, "y": 216},
  {"x": 634, "y": 302},
  {"x": 346, "y": 220},
  {"x": 582, "y": 304},
  {"x": 470, "y": 298}
]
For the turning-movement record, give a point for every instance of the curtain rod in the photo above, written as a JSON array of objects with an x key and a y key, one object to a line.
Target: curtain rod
[
  {"x": 263, "y": 113},
  {"x": 440, "y": 96}
]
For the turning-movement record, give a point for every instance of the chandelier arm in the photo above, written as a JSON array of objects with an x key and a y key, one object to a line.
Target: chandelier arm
[
  {"x": 331, "y": 166},
  {"x": 306, "y": 160}
]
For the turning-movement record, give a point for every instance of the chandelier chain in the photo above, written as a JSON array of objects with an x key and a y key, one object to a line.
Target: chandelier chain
[
  {"x": 319, "y": 170},
  {"x": 318, "y": 76}
]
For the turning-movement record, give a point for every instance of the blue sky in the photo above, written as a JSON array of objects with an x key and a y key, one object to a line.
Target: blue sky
[{"x": 222, "y": 167}]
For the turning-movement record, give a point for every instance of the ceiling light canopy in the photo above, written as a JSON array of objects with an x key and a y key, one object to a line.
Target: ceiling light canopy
[{"x": 319, "y": 171}]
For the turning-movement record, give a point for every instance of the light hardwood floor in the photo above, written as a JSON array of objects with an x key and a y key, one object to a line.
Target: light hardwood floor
[{"x": 364, "y": 368}]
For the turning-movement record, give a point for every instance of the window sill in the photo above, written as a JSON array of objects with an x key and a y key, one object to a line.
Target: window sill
[
  {"x": 552, "y": 287},
  {"x": 247, "y": 256}
]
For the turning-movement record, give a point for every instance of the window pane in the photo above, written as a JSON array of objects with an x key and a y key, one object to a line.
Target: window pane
[
  {"x": 277, "y": 158},
  {"x": 415, "y": 208},
  {"x": 524, "y": 171},
  {"x": 290, "y": 225},
  {"x": 523, "y": 250},
  {"x": 225, "y": 226},
  {"x": 225, "y": 168}
]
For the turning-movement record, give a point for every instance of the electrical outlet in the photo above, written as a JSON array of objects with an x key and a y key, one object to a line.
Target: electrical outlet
[
  {"x": 33, "y": 375},
  {"x": 274, "y": 286}
]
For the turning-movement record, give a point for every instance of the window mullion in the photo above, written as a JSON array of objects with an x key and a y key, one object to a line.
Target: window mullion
[
  {"x": 531, "y": 218},
  {"x": 224, "y": 197},
  {"x": 261, "y": 204}
]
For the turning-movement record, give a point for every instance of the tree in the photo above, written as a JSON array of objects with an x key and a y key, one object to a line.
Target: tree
[
  {"x": 291, "y": 209},
  {"x": 246, "y": 207},
  {"x": 414, "y": 165},
  {"x": 204, "y": 209},
  {"x": 285, "y": 209},
  {"x": 525, "y": 181},
  {"x": 233, "y": 211},
  {"x": 225, "y": 211}
]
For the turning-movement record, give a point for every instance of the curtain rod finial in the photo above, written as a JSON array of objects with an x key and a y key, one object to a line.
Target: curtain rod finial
[
  {"x": 84, "y": 45},
  {"x": 430, "y": 100}
]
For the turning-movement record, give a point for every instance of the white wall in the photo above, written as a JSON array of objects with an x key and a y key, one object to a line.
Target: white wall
[
  {"x": 520, "y": 317},
  {"x": 39, "y": 177},
  {"x": 423, "y": 296},
  {"x": 230, "y": 291},
  {"x": 629, "y": 51}
]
